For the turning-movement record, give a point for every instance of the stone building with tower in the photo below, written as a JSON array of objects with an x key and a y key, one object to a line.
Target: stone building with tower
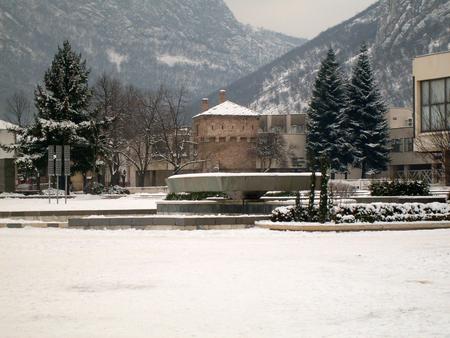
[{"x": 225, "y": 136}]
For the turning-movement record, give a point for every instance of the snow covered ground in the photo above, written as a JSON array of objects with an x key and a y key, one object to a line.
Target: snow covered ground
[
  {"x": 82, "y": 202},
  {"x": 236, "y": 283}
]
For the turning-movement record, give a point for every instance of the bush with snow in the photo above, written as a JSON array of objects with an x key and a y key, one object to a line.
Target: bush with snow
[
  {"x": 399, "y": 188},
  {"x": 373, "y": 212}
]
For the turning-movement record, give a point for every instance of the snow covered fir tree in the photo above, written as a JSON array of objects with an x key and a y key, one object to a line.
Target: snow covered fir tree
[
  {"x": 62, "y": 114},
  {"x": 325, "y": 141},
  {"x": 365, "y": 114}
]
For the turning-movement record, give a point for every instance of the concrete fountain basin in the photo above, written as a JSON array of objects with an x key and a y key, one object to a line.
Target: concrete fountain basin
[{"x": 241, "y": 185}]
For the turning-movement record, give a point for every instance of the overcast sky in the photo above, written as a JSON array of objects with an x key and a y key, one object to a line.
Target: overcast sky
[{"x": 302, "y": 18}]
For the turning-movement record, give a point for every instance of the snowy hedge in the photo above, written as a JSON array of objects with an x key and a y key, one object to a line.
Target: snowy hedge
[
  {"x": 373, "y": 212},
  {"x": 399, "y": 188}
]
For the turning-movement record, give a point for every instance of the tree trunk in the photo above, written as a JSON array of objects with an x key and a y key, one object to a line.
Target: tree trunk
[
  {"x": 323, "y": 204},
  {"x": 140, "y": 178},
  {"x": 447, "y": 167},
  {"x": 312, "y": 192},
  {"x": 363, "y": 170}
]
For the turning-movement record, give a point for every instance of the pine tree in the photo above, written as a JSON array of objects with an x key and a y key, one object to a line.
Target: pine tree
[
  {"x": 324, "y": 138},
  {"x": 365, "y": 114},
  {"x": 325, "y": 141},
  {"x": 62, "y": 112}
]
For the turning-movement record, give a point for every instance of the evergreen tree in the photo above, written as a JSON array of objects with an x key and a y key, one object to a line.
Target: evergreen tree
[
  {"x": 62, "y": 113},
  {"x": 325, "y": 136},
  {"x": 367, "y": 128},
  {"x": 325, "y": 142}
]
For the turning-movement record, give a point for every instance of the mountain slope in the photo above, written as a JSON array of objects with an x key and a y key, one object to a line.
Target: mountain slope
[
  {"x": 194, "y": 42},
  {"x": 395, "y": 31}
]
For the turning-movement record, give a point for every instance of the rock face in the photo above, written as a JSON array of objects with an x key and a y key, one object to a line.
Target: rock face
[
  {"x": 198, "y": 43},
  {"x": 395, "y": 30}
]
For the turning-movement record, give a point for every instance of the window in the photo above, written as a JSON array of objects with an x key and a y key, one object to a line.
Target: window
[
  {"x": 298, "y": 162},
  {"x": 396, "y": 145},
  {"x": 408, "y": 144},
  {"x": 298, "y": 129},
  {"x": 435, "y": 104}
]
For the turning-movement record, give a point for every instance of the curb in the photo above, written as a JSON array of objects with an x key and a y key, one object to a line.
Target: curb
[
  {"x": 355, "y": 227},
  {"x": 19, "y": 225}
]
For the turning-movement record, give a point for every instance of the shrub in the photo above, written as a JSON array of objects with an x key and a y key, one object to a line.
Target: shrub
[
  {"x": 99, "y": 189},
  {"x": 195, "y": 196},
  {"x": 400, "y": 188},
  {"x": 294, "y": 214},
  {"x": 369, "y": 213},
  {"x": 391, "y": 212}
]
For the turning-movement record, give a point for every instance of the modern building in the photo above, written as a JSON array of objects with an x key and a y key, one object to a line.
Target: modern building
[
  {"x": 7, "y": 166},
  {"x": 404, "y": 162},
  {"x": 292, "y": 129},
  {"x": 431, "y": 80}
]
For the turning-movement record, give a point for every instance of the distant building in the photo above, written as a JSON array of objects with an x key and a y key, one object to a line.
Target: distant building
[
  {"x": 225, "y": 136},
  {"x": 7, "y": 166},
  {"x": 405, "y": 163},
  {"x": 292, "y": 128}
]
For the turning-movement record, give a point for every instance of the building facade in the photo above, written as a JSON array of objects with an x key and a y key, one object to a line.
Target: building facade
[
  {"x": 225, "y": 136},
  {"x": 404, "y": 162},
  {"x": 7, "y": 166},
  {"x": 431, "y": 80}
]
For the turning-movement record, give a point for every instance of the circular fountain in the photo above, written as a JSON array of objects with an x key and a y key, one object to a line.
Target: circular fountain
[{"x": 244, "y": 189}]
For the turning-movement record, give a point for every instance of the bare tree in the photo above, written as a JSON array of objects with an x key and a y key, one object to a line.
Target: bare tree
[
  {"x": 435, "y": 145},
  {"x": 20, "y": 108},
  {"x": 174, "y": 144},
  {"x": 434, "y": 142},
  {"x": 270, "y": 147},
  {"x": 109, "y": 102},
  {"x": 140, "y": 131}
]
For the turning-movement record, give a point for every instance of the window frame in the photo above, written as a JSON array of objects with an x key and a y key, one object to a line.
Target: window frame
[{"x": 445, "y": 126}]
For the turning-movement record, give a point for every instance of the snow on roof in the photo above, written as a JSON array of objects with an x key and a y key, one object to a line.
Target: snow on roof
[
  {"x": 6, "y": 125},
  {"x": 228, "y": 108}
]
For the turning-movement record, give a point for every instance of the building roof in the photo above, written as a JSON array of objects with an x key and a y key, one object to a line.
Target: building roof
[
  {"x": 228, "y": 108},
  {"x": 430, "y": 54},
  {"x": 6, "y": 125}
]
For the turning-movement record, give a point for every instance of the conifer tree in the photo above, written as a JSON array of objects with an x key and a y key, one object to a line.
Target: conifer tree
[
  {"x": 367, "y": 128},
  {"x": 62, "y": 113},
  {"x": 325, "y": 141},
  {"x": 324, "y": 138}
]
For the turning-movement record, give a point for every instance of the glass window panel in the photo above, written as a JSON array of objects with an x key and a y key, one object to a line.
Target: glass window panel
[
  {"x": 395, "y": 144},
  {"x": 425, "y": 92},
  {"x": 448, "y": 90},
  {"x": 438, "y": 91},
  {"x": 437, "y": 117},
  {"x": 425, "y": 118},
  {"x": 409, "y": 144},
  {"x": 448, "y": 116}
]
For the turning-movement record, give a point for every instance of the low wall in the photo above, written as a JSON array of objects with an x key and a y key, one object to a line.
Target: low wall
[
  {"x": 158, "y": 222},
  {"x": 64, "y": 215},
  {"x": 400, "y": 199},
  {"x": 148, "y": 190},
  {"x": 354, "y": 227},
  {"x": 219, "y": 207}
]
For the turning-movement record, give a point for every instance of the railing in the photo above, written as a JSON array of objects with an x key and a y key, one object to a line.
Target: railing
[{"x": 427, "y": 175}]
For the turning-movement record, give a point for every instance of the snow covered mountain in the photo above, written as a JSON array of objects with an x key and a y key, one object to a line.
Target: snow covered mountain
[
  {"x": 195, "y": 42},
  {"x": 395, "y": 31}
]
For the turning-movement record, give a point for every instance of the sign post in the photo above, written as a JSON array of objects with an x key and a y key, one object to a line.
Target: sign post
[
  {"x": 66, "y": 169},
  {"x": 58, "y": 169},
  {"x": 55, "y": 168},
  {"x": 51, "y": 168}
]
